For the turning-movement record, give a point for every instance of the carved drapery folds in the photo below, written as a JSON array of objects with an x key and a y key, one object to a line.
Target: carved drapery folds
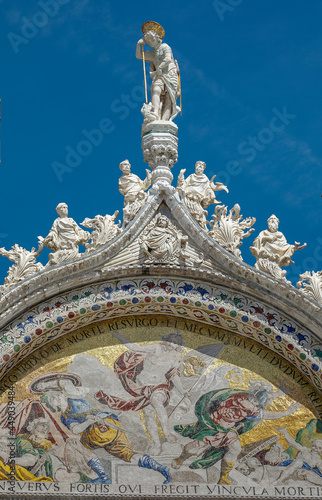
[
  {"x": 133, "y": 189},
  {"x": 272, "y": 251},
  {"x": 162, "y": 242},
  {"x": 310, "y": 284},
  {"x": 164, "y": 72},
  {"x": 229, "y": 229},
  {"x": 64, "y": 237},
  {"x": 198, "y": 192}
]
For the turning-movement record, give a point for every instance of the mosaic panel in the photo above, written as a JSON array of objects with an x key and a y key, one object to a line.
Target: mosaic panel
[{"x": 155, "y": 405}]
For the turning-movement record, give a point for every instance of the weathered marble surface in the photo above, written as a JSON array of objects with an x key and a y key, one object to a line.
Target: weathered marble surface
[
  {"x": 310, "y": 284},
  {"x": 64, "y": 237},
  {"x": 133, "y": 189},
  {"x": 104, "y": 230},
  {"x": 272, "y": 252},
  {"x": 25, "y": 263},
  {"x": 229, "y": 228},
  {"x": 164, "y": 72},
  {"x": 198, "y": 192},
  {"x": 162, "y": 241}
]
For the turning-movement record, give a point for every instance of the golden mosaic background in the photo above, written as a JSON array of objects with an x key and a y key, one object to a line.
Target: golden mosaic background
[{"x": 255, "y": 361}]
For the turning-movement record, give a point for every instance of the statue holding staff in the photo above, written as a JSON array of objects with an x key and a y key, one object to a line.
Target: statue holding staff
[{"x": 164, "y": 72}]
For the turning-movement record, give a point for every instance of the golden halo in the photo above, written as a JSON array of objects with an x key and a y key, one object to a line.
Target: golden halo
[
  {"x": 52, "y": 382},
  {"x": 153, "y": 26}
]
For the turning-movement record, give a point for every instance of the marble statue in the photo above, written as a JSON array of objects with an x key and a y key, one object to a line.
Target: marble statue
[
  {"x": 161, "y": 241},
  {"x": 164, "y": 72},
  {"x": 272, "y": 251},
  {"x": 64, "y": 237},
  {"x": 25, "y": 264},
  {"x": 198, "y": 192},
  {"x": 105, "y": 230},
  {"x": 230, "y": 229},
  {"x": 310, "y": 284},
  {"x": 133, "y": 189}
]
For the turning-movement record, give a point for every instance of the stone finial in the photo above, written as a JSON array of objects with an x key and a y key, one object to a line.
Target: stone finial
[
  {"x": 272, "y": 251},
  {"x": 230, "y": 229},
  {"x": 25, "y": 264},
  {"x": 133, "y": 189},
  {"x": 198, "y": 192},
  {"x": 64, "y": 237}
]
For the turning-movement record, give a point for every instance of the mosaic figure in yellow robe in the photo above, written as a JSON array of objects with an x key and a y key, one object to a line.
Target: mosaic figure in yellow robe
[
  {"x": 14, "y": 468},
  {"x": 40, "y": 455},
  {"x": 96, "y": 429}
]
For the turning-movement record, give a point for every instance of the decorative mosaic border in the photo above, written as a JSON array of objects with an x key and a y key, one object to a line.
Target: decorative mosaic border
[{"x": 199, "y": 301}]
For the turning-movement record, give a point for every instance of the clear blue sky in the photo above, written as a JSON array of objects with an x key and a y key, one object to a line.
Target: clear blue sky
[{"x": 243, "y": 63}]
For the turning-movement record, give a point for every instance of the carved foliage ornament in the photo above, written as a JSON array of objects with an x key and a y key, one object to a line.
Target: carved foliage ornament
[
  {"x": 229, "y": 229},
  {"x": 310, "y": 283},
  {"x": 25, "y": 264},
  {"x": 64, "y": 239},
  {"x": 105, "y": 230},
  {"x": 161, "y": 155}
]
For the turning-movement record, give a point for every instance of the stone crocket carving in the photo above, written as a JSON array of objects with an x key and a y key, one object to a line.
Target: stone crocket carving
[
  {"x": 162, "y": 242},
  {"x": 164, "y": 72},
  {"x": 105, "y": 230},
  {"x": 64, "y": 237},
  {"x": 229, "y": 230},
  {"x": 133, "y": 189},
  {"x": 25, "y": 264},
  {"x": 310, "y": 284},
  {"x": 198, "y": 192},
  {"x": 272, "y": 251}
]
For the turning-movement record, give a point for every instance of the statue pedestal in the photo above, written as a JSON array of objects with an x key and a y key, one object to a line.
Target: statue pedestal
[{"x": 160, "y": 150}]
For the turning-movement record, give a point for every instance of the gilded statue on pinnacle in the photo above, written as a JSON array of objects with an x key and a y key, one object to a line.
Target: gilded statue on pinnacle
[{"x": 164, "y": 72}]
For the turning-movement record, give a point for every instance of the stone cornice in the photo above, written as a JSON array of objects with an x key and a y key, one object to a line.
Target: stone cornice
[{"x": 227, "y": 270}]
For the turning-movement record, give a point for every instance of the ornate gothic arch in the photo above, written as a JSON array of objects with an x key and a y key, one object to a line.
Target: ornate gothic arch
[{"x": 220, "y": 290}]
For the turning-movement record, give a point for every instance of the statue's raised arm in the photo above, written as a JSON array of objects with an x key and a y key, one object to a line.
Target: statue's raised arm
[
  {"x": 148, "y": 56},
  {"x": 164, "y": 72},
  {"x": 198, "y": 192}
]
